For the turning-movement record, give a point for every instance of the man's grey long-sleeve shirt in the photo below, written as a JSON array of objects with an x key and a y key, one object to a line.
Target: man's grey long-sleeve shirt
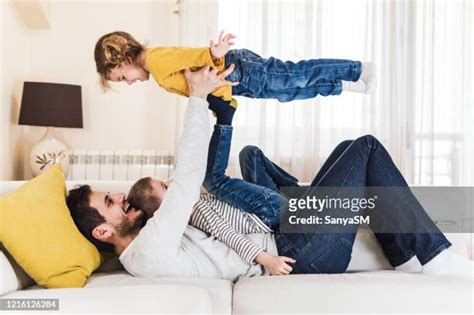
[{"x": 167, "y": 246}]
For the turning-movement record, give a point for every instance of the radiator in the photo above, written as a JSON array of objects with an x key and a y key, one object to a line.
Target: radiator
[{"x": 119, "y": 164}]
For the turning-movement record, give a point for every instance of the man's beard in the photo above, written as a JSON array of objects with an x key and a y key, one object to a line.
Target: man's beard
[{"x": 128, "y": 227}]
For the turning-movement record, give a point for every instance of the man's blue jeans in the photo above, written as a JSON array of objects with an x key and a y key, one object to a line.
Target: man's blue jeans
[
  {"x": 286, "y": 80},
  {"x": 358, "y": 163}
]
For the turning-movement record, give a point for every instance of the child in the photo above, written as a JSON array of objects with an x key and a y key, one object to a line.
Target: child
[
  {"x": 226, "y": 223},
  {"x": 120, "y": 57},
  {"x": 215, "y": 217}
]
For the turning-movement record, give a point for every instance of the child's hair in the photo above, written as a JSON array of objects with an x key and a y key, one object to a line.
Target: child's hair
[
  {"x": 141, "y": 196},
  {"x": 112, "y": 50}
]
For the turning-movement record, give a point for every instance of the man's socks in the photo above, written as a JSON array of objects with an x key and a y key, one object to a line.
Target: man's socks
[
  {"x": 367, "y": 82},
  {"x": 222, "y": 109},
  {"x": 445, "y": 263}
]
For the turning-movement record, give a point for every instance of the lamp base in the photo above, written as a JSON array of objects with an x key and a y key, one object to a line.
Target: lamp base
[{"x": 47, "y": 152}]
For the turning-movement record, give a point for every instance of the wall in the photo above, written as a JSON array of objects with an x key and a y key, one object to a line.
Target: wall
[
  {"x": 141, "y": 116},
  {"x": 14, "y": 67},
  {"x": 2, "y": 108}
]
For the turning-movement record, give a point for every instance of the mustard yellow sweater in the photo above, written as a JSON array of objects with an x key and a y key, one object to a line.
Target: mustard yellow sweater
[{"x": 167, "y": 64}]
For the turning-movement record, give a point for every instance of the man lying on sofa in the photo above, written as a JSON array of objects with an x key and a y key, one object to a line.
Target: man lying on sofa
[{"x": 166, "y": 245}]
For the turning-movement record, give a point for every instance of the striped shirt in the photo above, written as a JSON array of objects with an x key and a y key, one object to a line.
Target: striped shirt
[{"x": 229, "y": 225}]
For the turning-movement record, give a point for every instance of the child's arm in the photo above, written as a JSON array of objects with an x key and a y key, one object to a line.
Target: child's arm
[
  {"x": 276, "y": 265},
  {"x": 209, "y": 221},
  {"x": 168, "y": 60},
  {"x": 167, "y": 70},
  {"x": 223, "y": 45},
  {"x": 167, "y": 63},
  {"x": 164, "y": 61}
]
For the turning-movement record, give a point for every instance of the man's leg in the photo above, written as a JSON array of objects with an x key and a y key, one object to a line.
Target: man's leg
[
  {"x": 248, "y": 197},
  {"x": 335, "y": 154},
  {"x": 258, "y": 169},
  {"x": 365, "y": 162}
]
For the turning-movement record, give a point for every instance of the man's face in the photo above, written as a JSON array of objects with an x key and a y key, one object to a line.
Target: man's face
[
  {"x": 129, "y": 73},
  {"x": 119, "y": 222}
]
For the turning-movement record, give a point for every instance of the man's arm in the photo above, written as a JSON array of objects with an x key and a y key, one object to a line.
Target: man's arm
[
  {"x": 165, "y": 229},
  {"x": 168, "y": 223}
]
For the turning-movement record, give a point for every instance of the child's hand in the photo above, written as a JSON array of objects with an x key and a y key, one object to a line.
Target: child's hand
[
  {"x": 223, "y": 45},
  {"x": 276, "y": 265}
]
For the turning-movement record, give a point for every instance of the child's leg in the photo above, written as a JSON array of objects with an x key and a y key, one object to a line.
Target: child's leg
[
  {"x": 251, "y": 198},
  {"x": 286, "y": 80},
  {"x": 248, "y": 197},
  {"x": 221, "y": 109}
]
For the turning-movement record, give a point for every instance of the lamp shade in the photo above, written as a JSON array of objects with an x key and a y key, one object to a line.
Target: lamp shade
[{"x": 51, "y": 105}]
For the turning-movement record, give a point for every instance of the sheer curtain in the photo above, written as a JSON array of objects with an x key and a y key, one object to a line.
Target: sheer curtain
[
  {"x": 444, "y": 98},
  {"x": 198, "y": 23},
  {"x": 422, "y": 110}
]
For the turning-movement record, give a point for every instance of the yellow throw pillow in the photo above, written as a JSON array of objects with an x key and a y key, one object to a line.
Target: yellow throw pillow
[{"x": 37, "y": 229}]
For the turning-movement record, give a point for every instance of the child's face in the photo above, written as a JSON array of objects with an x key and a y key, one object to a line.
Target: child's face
[
  {"x": 159, "y": 188},
  {"x": 129, "y": 73}
]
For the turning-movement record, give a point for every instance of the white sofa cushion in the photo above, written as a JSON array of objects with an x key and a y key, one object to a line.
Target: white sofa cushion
[
  {"x": 374, "y": 292},
  {"x": 367, "y": 253},
  {"x": 12, "y": 276},
  {"x": 8, "y": 279},
  {"x": 219, "y": 291},
  {"x": 143, "y": 298}
]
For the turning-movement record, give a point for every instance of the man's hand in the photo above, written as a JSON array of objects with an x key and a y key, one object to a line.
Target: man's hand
[
  {"x": 205, "y": 81},
  {"x": 223, "y": 45},
  {"x": 277, "y": 266}
]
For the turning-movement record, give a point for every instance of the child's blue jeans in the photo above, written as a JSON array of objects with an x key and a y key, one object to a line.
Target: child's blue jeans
[
  {"x": 286, "y": 80},
  {"x": 259, "y": 200}
]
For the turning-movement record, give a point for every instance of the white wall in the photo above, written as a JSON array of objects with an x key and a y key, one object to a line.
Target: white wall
[
  {"x": 14, "y": 67},
  {"x": 141, "y": 116}
]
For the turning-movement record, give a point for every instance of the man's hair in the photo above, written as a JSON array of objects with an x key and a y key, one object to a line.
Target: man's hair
[
  {"x": 112, "y": 50},
  {"x": 85, "y": 217},
  {"x": 141, "y": 196}
]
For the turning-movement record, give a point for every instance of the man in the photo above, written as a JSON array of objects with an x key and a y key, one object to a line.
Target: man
[{"x": 167, "y": 246}]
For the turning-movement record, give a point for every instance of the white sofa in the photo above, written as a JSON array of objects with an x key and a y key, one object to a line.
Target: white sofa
[{"x": 370, "y": 286}]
